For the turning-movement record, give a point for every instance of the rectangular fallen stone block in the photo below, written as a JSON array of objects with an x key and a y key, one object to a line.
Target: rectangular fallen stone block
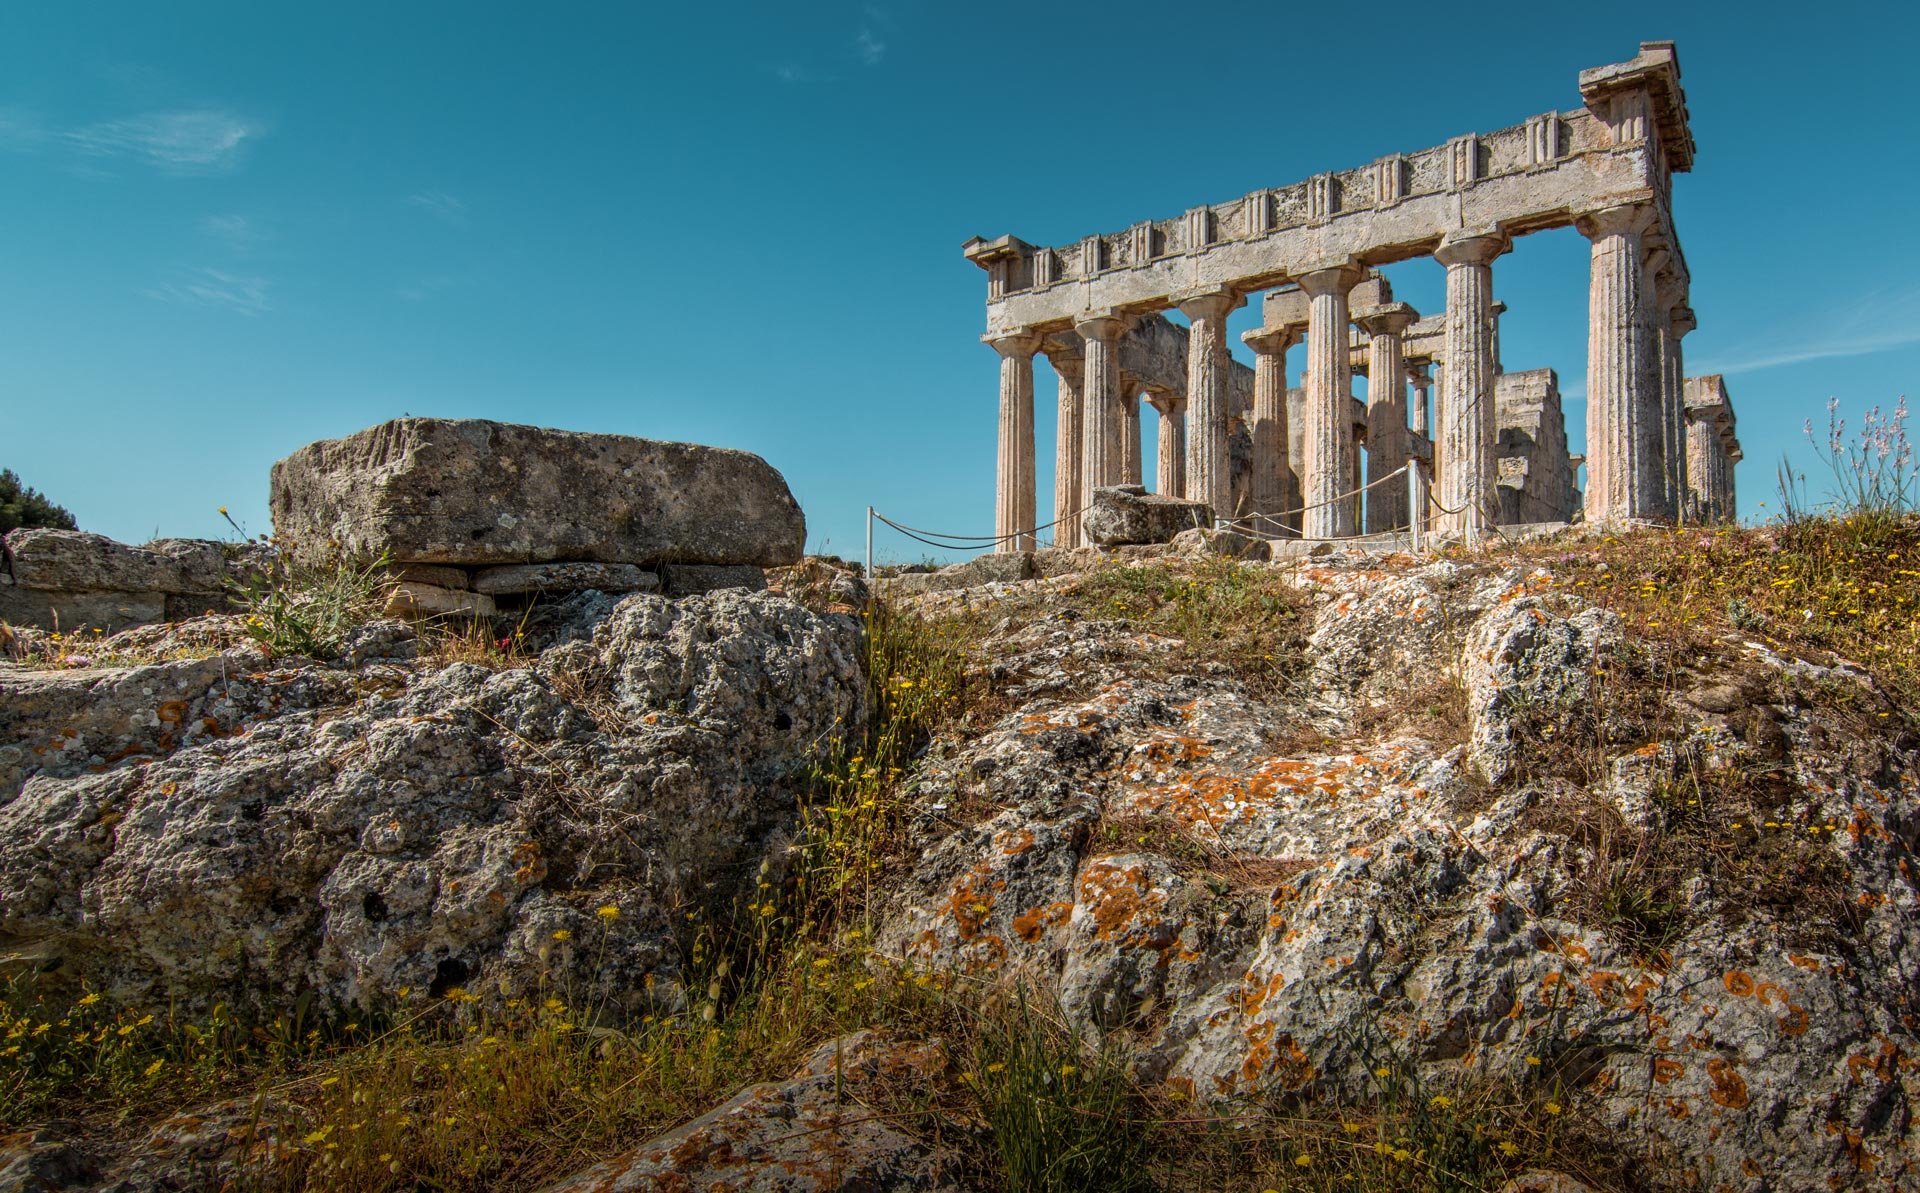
[
  {"x": 49, "y": 610},
  {"x": 479, "y": 493},
  {"x": 1129, "y": 514},
  {"x": 410, "y": 599},
  {"x": 567, "y": 577},
  {"x": 692, "y": 579},
  {"x": 436, "y": 575},
  {"x": 76, "y": 561}
]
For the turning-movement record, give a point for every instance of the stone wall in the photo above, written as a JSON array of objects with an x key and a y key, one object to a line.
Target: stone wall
[
  {"x": 1536, "y": 475},
  {"x": 65, "y": 579}
]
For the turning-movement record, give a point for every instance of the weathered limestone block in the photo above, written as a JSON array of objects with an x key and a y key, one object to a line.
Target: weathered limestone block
[
  {"x": 1204, "y": 542},
  {"x": 1535, "y": 472},
  {"x": 469, "y": 491},
  {"x": 565, "y": 577},
  {"x": 71, "y": 578},
  {"x": 424, "y": 600},
  {"x": 693, "y": 579},
  {"x": 1129, "y": 514}
]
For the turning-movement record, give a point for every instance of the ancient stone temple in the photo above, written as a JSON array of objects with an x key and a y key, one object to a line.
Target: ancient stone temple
[{"x": 1442, "y": 437}]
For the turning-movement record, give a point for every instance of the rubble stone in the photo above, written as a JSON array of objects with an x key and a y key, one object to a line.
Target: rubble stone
[{"x": 1128, "y": 514}]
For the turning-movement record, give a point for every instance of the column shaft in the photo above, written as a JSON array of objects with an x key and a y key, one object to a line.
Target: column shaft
[
  {"x": 1328, "y": 434},
  {"x": 1068, "y": 472},
  {"x": 1170, "y": 473},
  {"x": 1271, "y": 469},
  {"x": 1101, "y": 401},
  {"x": 1468, "y": 433},
  {"x": 1623, "y": 420},
  {"x": 1013, "y": 492},
  {"x": 1386, "y": 416},
  {"x": 1130, "y": 434},
  {"x": 1209, "y": 465}
]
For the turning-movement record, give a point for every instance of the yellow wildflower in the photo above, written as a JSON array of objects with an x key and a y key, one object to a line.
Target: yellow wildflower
[{"x": 608, "y": 913}]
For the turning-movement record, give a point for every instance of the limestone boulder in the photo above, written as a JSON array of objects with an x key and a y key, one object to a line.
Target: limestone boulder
[
  {"x": 1128, "y": 514},
  {"x": 478, "y": 493},
  {"x": 211, "y": 831}
]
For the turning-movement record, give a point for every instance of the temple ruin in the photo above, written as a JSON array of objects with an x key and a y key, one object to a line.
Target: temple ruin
[{"x": 1444, "y": 440}]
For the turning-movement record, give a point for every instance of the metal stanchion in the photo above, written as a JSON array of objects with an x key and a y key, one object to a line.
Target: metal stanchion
[{"x": 869, "y": 544}]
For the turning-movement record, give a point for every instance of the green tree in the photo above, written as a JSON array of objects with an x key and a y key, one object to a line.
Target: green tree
[{"x": 24, "y": 506}]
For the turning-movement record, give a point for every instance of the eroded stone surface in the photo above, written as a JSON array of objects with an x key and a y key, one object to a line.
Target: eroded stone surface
[
  {"x": 816, "y": 1133},
  {"x": 1129, "y": 514},
  {"x": 1258, "y": 918},
  {"x": 358, "y": 833}
]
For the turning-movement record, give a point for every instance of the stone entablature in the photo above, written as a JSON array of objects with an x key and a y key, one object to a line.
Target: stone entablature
[{"x": 1604, "y": 168}]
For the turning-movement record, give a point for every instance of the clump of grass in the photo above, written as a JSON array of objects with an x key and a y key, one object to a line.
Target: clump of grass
[
  {"x": 1062, "y": 1116},
  {"x": 298, "y": 606}
]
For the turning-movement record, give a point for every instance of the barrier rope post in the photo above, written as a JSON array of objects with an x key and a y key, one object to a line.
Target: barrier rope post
[
  {"x": 1416, "y": 503},
  {"x": 869, "y": 544}
]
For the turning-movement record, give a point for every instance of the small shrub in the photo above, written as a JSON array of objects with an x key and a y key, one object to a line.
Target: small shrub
[
  {"x": 301, "y": 607},
  {"x": 23, "y": 507}
]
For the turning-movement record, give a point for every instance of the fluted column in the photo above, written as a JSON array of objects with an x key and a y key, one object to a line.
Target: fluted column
[
  {"x": 1170, "y": 471},
  {"x": 1421, "y": 375},
  {"x": 1100, "y": 398},
  {"x": 1013, "y": 504},
  {"x": 1469, "y": 435},
  {"x": 1386, "y": 413},
  {"x": 1328, "y": 433},
  {"x": 1209, "y": 464},
  {"x": 1673, "y": 398},
  {"x": 1130, "y": 466},
  {"x": 1068, "y": 472},
  {"x": 1273, "y": 479},
  {"x": 1623, "y": 421}
]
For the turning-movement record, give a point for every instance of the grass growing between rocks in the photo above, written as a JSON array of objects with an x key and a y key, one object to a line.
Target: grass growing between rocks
[{"x": 308, "y": 607}]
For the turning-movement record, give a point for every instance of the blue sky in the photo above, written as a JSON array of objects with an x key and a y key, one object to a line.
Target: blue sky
[{"x": 229, "y": 229}]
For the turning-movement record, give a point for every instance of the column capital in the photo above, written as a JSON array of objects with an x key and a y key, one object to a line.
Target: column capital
[
  {"x": 1331, "y": 277},
  {"x": 1619, "y": 219},
  {"x": 1420, "y": 372},
  {"x": 1012, "y": 344},
  {"x": 1471, "y": 246},
  {"x": 1212, "y": 302},
  {"x": 1683, "y": 320},
  {"x": 1272, "y": 341},
  {"x": 1105, "y": 324},
  {"x": 1387, "y": 319}
]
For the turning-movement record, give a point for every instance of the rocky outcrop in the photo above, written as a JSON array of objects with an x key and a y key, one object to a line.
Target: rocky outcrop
[
  {"x": 219, "y": 829},
  {"x": 815, "y": 1133},
  {"x": 70, "y": 579},
  {"x": 1128, "y": 514},
  {"x": 468, "y": 492},
  {"x": 1263, "y": 897}
]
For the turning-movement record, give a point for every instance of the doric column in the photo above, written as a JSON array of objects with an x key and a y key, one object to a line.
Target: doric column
[
  {"x": 1130, "y": 431},
  {"x": 1296, "y": 456},
  {"x": 1329, "y": 412},
  {"x": 1420, "y": 373},
  {"x": 1468, "y": 433},
  {"x": 1273, "y": 478},
  {"x": 1068, "y": 472},
  {"x": 1170, "y": 472},
  {"x": 1209, "y": 465},
  {"x": 1100, "y": 398},
  {"x": 1623, "y": 419},
  {"x": 1673, "y": 398},
  {"x": 1386, "y": 413},
  {"x": 1013, "y": 496}
]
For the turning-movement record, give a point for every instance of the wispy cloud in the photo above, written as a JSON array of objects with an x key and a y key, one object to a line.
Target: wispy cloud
[
  {"x": 792, "y": 72},
  {"x": 440, "y": 205},
  {"x": 217, "y": 288},
  {"x": 200, "y": 140},
  {"x": 869, "y": 41},
  {"x": 237, "y": 232},
  {"x": 1874, "y": 322}
]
